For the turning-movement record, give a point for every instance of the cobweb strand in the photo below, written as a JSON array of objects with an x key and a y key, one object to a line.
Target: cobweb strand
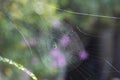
[{"x": 87, "y": 14}]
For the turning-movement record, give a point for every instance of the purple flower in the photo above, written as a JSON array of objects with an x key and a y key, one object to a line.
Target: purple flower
[
  {"x": 65, "y": 40},
  {"x": 60, "y": 59},
  {"x": 83, "y": 55}
]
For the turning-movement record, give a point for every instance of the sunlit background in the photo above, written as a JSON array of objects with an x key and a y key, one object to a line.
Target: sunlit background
[{"x": 59, "y": 39}]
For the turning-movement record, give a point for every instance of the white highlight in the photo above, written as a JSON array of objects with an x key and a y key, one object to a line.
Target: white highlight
[{"x": 19, "y": 66}]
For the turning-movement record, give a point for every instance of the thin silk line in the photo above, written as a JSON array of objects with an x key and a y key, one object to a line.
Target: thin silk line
[{"x": 87, "y": 14}]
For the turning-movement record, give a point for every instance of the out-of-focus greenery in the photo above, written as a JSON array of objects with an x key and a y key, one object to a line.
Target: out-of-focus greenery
[{"x": 21, "y": 21}]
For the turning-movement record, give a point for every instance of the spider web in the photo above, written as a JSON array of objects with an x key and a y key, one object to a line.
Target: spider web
[{"x": 58, "y": 42}]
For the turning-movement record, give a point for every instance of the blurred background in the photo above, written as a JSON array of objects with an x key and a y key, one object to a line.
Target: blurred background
[{"x": 59, "y": 39}]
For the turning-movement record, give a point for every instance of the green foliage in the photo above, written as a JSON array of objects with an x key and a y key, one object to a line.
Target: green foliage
[{"x": 22, "y": 21}]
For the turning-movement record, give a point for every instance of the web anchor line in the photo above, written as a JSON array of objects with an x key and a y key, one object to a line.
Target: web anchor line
[{"x": 87, "y": 14}]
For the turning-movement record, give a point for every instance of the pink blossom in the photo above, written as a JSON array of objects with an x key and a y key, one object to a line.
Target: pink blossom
[
  {"x": 60, "y": 59},
  {"x": 65, "y": 40},
  {"x": 83, "y": 55}
]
